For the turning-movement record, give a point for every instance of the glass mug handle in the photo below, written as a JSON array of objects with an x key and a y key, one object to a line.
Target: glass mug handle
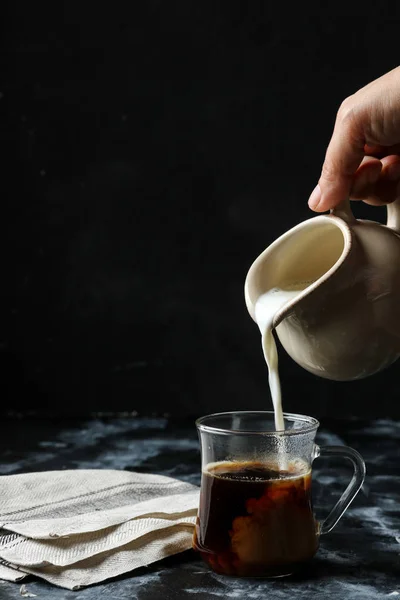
[{"x": 352, "y": 489}]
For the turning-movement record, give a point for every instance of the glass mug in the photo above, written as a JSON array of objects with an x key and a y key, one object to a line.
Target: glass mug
[{"x": 255, "y": 517}]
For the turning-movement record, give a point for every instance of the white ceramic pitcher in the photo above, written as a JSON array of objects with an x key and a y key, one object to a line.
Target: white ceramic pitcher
[{"x": 345, "y": 324}]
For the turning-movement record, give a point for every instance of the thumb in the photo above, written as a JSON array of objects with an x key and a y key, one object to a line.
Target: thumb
[{"x": 343, "y": 156}]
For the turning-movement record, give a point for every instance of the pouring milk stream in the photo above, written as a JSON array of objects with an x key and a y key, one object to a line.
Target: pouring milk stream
[{"x": 266, "y": 308}]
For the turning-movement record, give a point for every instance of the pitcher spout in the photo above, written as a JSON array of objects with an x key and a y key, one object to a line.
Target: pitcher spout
[{"x": 300, "y": 259}]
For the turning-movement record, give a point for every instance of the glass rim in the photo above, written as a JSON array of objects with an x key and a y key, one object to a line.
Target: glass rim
[{"x": 312, "y": 422}]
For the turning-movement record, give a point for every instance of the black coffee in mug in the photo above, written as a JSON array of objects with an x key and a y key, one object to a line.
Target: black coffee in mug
[{"x": 256, "y": 519}]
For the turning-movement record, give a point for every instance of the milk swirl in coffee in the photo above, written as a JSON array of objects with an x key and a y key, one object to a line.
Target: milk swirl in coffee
[{"x": 266, "y": 307}]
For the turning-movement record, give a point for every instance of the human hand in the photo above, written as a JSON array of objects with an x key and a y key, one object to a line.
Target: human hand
[{"x": 363, "y": 157}]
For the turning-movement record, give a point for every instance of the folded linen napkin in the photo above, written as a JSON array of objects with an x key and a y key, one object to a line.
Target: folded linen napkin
[{"x": 76, "y": 528}]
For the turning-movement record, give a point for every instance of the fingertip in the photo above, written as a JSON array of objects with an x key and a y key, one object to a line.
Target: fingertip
[
  {"x": 324, "y": 205},
  {"x": 323, "y": 200},
  {"x": 315, "y": 198}
]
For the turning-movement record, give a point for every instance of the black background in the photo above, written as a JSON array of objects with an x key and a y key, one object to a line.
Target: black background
[{"x": 154, "y": 149}]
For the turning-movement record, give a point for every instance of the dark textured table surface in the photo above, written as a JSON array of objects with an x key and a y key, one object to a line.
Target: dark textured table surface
[{"x": 360, "y": 559}]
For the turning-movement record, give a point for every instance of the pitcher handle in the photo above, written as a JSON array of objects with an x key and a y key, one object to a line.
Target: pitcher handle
[
  {"x": 393, "y": 215},
  {"x": 352, "y": 489},
  {"x": 344, "y": 212}
]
